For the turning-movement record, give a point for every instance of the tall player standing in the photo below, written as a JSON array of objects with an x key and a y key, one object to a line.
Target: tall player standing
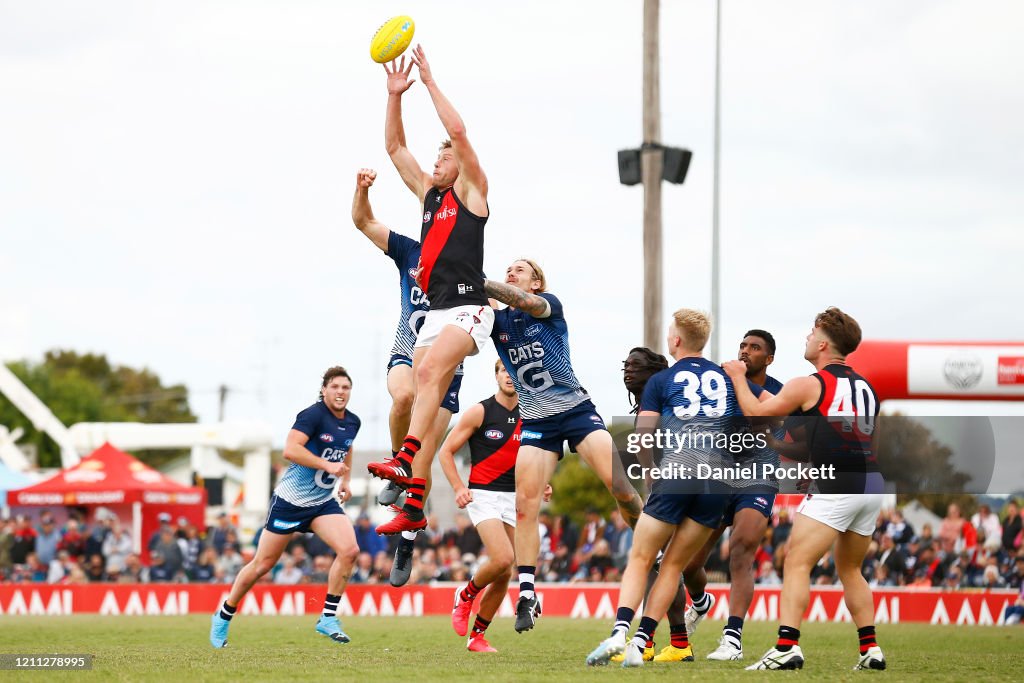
[
  {"x": 747, "y": 513},
  {"x": 454, "y": 199},
  {"x": 532, "y": 340},
  {"x": 317, "y": 446},
  {"x": 405, "y": 252},
  {"x": 844, "y": 407},
  {"x": 492, "y": 429}
]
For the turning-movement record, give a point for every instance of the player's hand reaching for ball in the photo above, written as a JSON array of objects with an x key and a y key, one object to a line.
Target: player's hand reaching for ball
[
  {"x": 398, "y": 76},
  {"x": 365, "y": 178},
  {"x": 419, "y": 58},
  {"x": 463, "y": 497},
  {"x": 736, "y": 369}
]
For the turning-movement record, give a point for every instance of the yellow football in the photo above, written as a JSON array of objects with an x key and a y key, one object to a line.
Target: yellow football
[{"x": 392, "y": 39}]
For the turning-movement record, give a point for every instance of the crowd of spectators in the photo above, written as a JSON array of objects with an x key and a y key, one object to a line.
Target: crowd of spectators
[{"x": 984, "y": 551}]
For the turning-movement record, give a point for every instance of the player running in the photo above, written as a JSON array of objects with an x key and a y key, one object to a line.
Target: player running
[
  {"x": 492, "y": 428},
  {"x": 317, "y": 446},
  {"x": 454, "y": 199},
  {"x": 532, "y": 340},
  {"x": 405, "y": 252},
  {"x": 692, "y": 397},
  {"x": 747, "y": 512},
  {"x": 844, "y": 407}
]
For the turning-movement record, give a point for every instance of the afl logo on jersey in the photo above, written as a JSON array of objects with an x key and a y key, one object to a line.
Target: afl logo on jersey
[
  {"x": 494, "y": 434},
  {"x": 326, "y": 438},
  {"x": 503, "y": 337},
  {"x": 532, "y": 330},
  {"x": 426, "y": 216}
]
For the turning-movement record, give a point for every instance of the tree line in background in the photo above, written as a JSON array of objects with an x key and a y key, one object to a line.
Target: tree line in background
[{"x": 89, "y": 388}]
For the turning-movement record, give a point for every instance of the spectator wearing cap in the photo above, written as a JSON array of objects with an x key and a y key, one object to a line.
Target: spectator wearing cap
[
  {"x": 164, "y": 518},
  {"x": 48, "y": 537},
  {"x": 218, "y": 535},
  {"x": 170, "y": 551}
]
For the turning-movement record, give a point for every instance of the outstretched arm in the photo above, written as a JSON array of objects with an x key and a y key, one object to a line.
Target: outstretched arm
[
  {"x": 362, "y": 213},
  {"x": 537, "y": 306},
  {"x": 467, "y": 424},
  {"x": 470, "y": 174},
  {"x": 394, "y": 132},
  {"x": 794, "y": 394}
]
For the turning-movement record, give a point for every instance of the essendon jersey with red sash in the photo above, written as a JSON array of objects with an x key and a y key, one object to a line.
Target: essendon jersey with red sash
[
  {"x": 452, "y": 257},
  {"x": 493, "y": 448},
  {"x": 844, "y": 421}
]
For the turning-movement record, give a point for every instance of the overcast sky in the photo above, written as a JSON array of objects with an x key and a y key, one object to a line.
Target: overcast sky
[{"x": 176, "y": 177}]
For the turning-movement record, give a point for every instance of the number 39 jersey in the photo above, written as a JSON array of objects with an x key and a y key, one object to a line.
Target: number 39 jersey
[
  {"x": 844, "y": 421},
  {"x": 330, "y": 438},
  {"x": 696, "y": 401},
  {"x": 535, "y": 352}
]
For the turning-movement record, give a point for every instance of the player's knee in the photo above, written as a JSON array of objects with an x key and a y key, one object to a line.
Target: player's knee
[
  {"x": 426, "y": 375},
  {"x": 503, "y": 561},
  {"x": 402, "y": 400},
  {"x": 263, "y": 565},
  {"x": 527, "y": 506},
  {"x": 348, "y": 555}
]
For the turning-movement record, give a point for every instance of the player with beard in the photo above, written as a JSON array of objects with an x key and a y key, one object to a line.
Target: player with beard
[
  {"x": 843, "y": 514},
  {"x": 748, "y": 513},
  {"x": 532, "y": 339}
]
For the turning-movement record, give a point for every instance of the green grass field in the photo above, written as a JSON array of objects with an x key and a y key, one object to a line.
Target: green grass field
[{"x": 426, "y": 649}]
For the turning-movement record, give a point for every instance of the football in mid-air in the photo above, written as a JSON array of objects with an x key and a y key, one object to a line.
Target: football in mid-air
[{"x": 392, "y": 39}]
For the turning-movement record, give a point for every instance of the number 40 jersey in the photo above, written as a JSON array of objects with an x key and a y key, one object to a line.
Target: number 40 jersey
[{"x": 535, "y": 352}]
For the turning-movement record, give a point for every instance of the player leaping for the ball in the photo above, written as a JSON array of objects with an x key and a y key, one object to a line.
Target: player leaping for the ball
[
  {"x": 532, "y": 340},
  {"x": 454, "y": 199},
  {"x": 405, "y": 252},
  {"x": 492, "y": 429},
  {"x": 842, "y": 516}
]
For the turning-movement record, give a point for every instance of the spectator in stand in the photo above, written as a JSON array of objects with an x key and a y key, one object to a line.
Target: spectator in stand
[
  {"x": 158, "y": 569},
  {"x": 190, "y": 542},
  {"x": 322, "y": 568},
  {"x": 6, "y": 543},
  {"x": 893, "y": 559},
  {"x": 382, "y": 562},
  {"x": 1015, "y": 612},
  {"x": 565, "y": 532},
  {"x": 951, "y": 531},
  {"x": 73, "y": 540},
  {"x": 218, "y": 535},
  {"x": 953, "y": 579},
  {"x": 288, "y": 574},
  {"x": 116, "y": 547},
  {"x": 1015, "y": 578},
  {"x": 985, "y": 521},
  {"x": 465, "y": 536},
  {"x": 134, "y": 571},
  {"x": 205, "y": 568},
  {"x": 899, "y": 528},
  {"x": 1012, "y": 526},
  {"x": 363, "y": 572},
  {"x": 432, "y": 536},
  {"x": 882, "y": 577},
  {"x": 592, "y": 531},
  {"x": 170, "y": 551},
  {"x": 927, "y": 536},
  {"x": 990, "y": 578},
  {"x": 621, "y": 540},
  {"x": 766, "y": 574},
  {"x": 782, "y": 529},
  {"x": 60, "y": 567},
  {"x": 75, "y": 577},
  {"x": 165, "y": 524},
  {"x": 48, "y": 537},
  {"x": 870, "y": 561},
  {"x": 100, "y": 530},
  {"x": 561, "y": 564},
  {"x": 367, "y": 538},
  {"x": 96, "y": 570},
  {"x": 824, "y": 573},
  {"x": 24, "y": 540},
  {"x": 230, "y": 562},
  {"x": 600, "y": 563},
  {"x": 301, "y": 559}
]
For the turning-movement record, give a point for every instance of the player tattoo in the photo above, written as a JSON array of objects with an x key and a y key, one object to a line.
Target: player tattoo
[{"x": 517, "y": 298}]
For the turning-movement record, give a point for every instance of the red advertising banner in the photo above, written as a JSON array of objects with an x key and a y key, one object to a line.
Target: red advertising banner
[{"x": 580, "y": 601}]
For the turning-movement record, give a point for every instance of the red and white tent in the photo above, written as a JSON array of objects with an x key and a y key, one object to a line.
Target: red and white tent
[{"x": 122, "y": 483}]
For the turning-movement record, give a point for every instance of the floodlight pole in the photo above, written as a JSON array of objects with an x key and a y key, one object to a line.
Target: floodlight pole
[
  {"x": 716, "y": 322},
  {"x": 651, "y": 161}
]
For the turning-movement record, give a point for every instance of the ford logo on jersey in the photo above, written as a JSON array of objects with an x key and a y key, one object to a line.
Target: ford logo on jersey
[
  {"x": 494, "y": 434},
  {"x": 532, "y": 330},
  {"x": 326, "y": 437}
]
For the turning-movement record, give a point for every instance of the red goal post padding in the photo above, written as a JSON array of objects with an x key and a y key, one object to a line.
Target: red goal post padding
[{"x": 582, "y": 601}]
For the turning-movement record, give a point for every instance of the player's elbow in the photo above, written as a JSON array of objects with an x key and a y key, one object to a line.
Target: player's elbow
[{"x": 457, "y": 131}]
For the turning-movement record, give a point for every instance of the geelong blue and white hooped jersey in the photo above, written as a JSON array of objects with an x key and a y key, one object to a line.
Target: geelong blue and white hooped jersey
[
  {"x": 535, "y": 352},
  {"x": 330, "y": 438},
  {"x": 766, "y": 455},
  {"x": 405, "y": 252},
  {"x": 697, "y": 404}
]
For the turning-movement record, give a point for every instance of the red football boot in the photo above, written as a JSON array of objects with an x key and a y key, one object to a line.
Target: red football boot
[
  {"x": 392, "y": 470},
  {"x": 403, "y": 521},
  {"x": 460, "y": 613}
]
